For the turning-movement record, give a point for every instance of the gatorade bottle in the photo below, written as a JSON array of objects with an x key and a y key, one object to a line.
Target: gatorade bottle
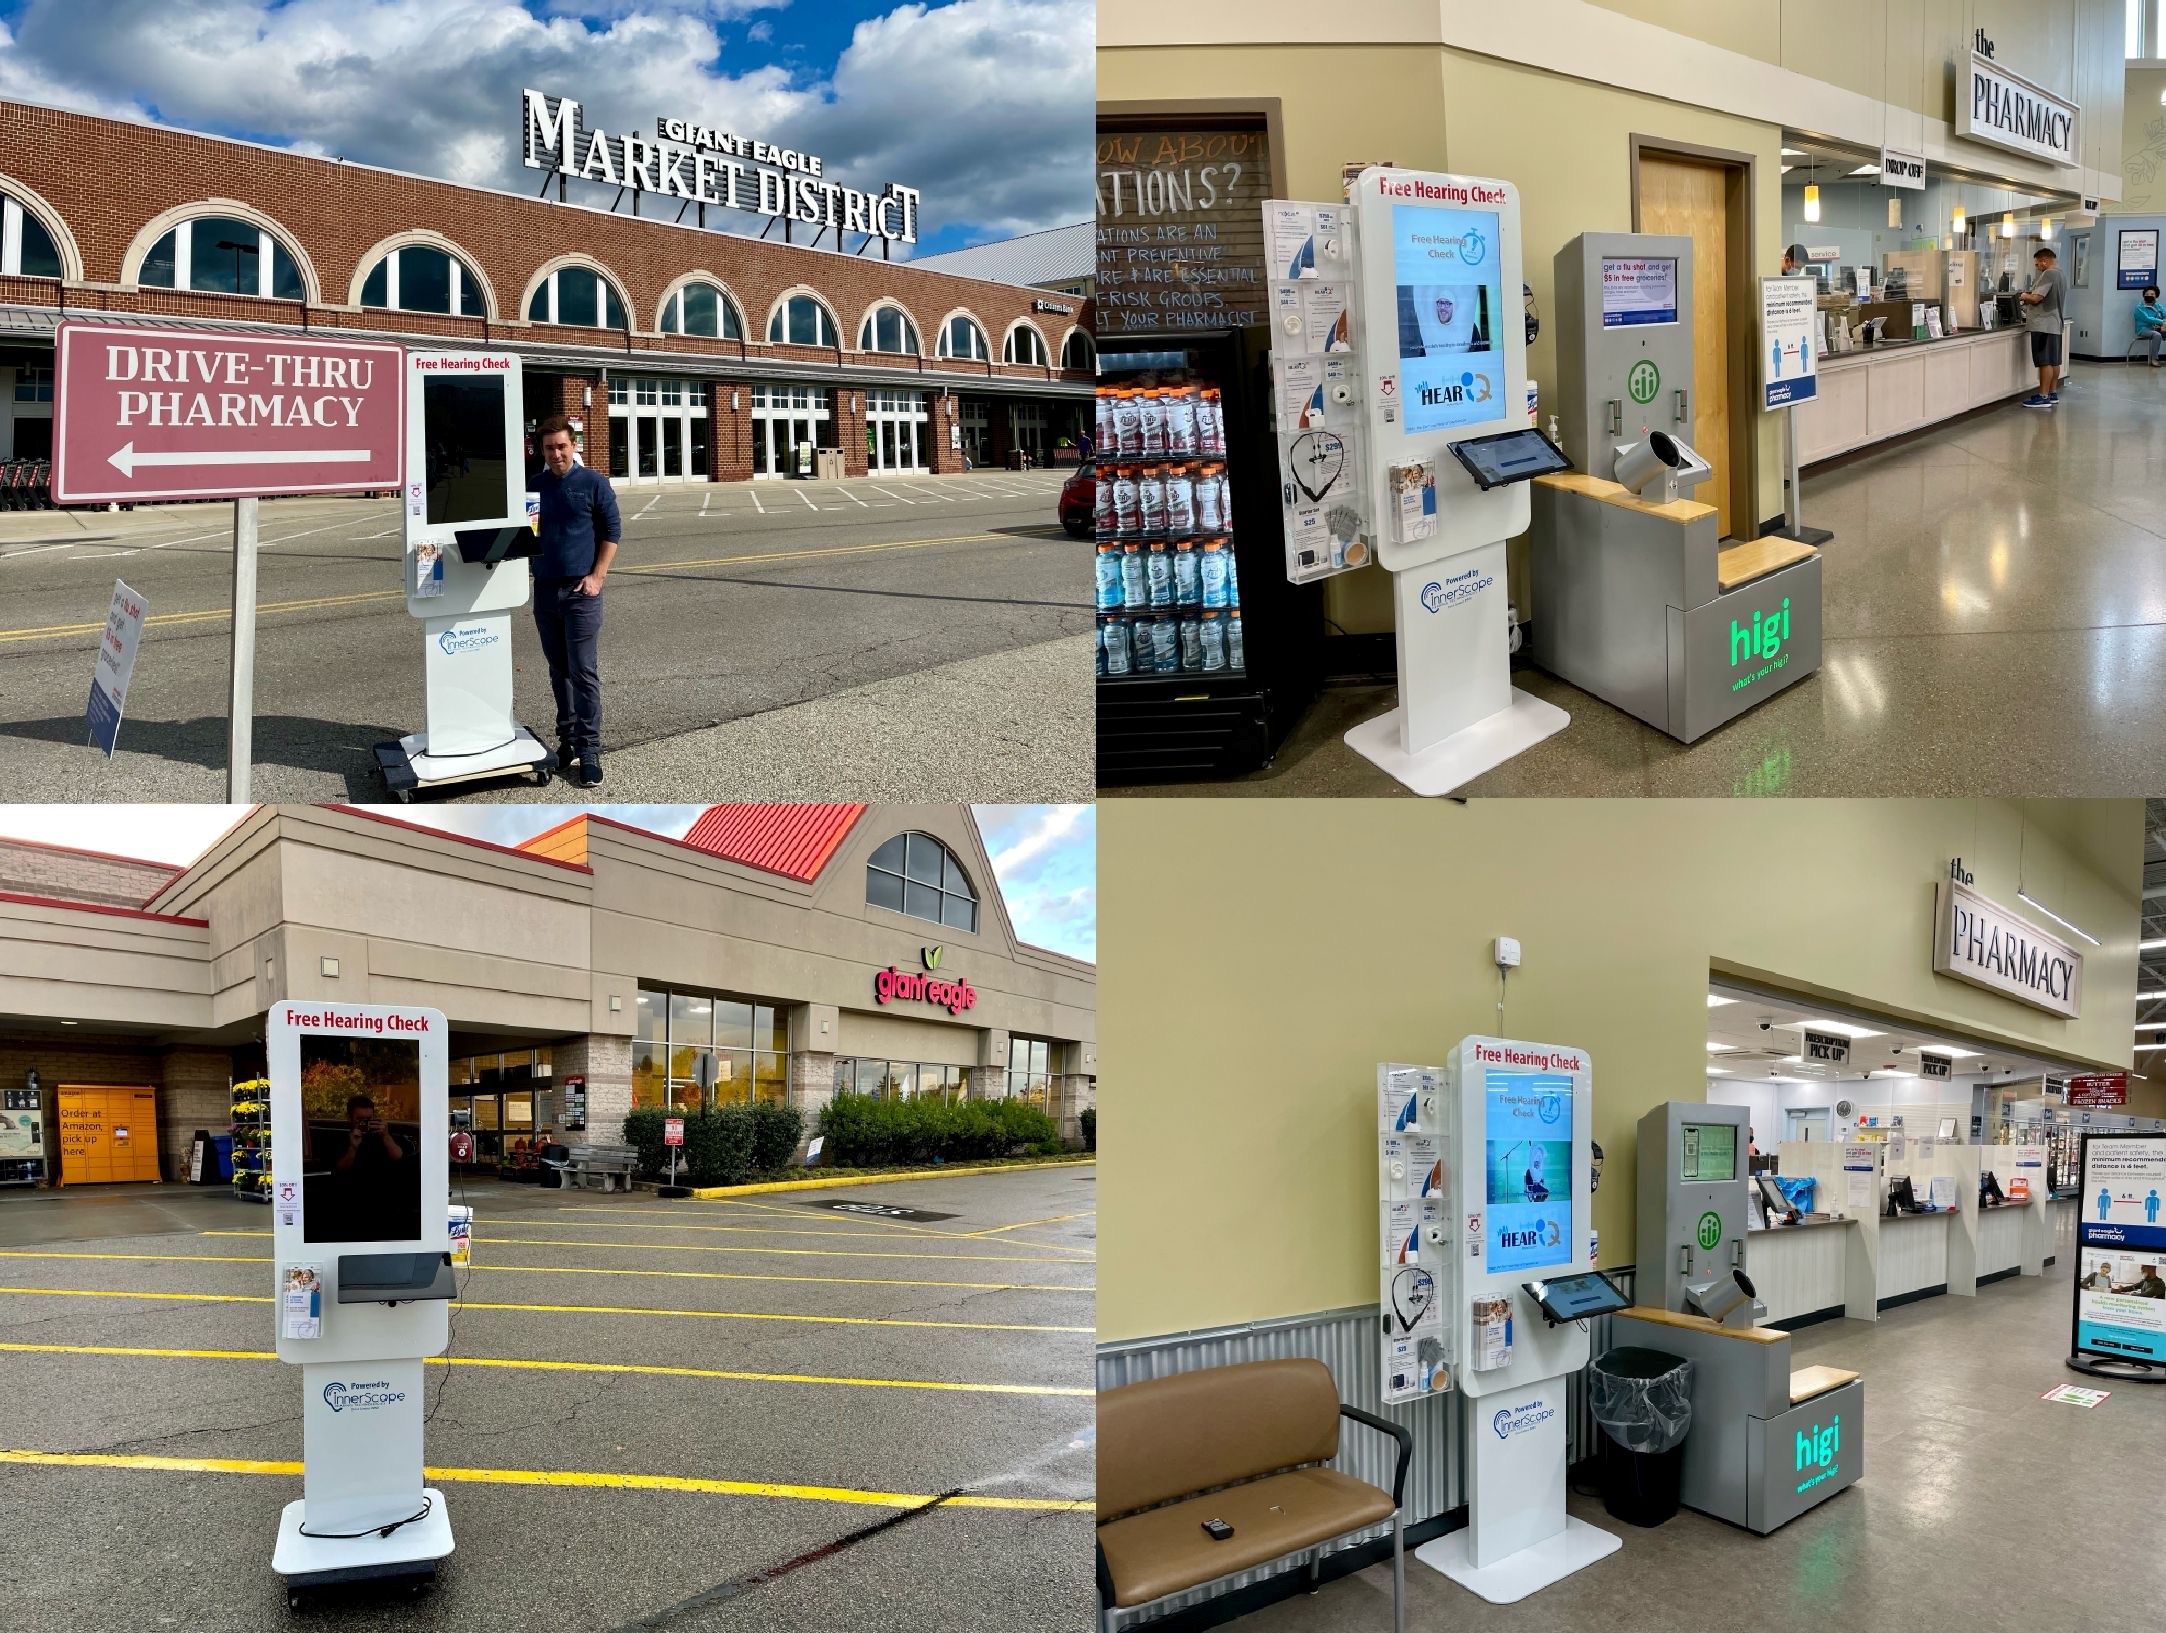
[
  {"x": 1127, "y": 424},
  {"x": 1233, "y": 576},
  {"x": 1158, "y": 573},
  {"x": 1187, "y": 575},
  {"x": 1165, "y": 645},
  {"x": 1151, "y": 501},
  {"x": 1181, "y": 422},
  {"x": 1211, "y": 424},
  {"x": 1135, "y": 591},
  {"x": 1214, "y": 642},
  {"x": 1118, "y": 661},
  {"x": 1109, "y": 576},
  {"x": 1127, "y": 518},
  {"x": 1214, "y": 573},
  {"x": 1180, "y": 501},
  {"x": 1154, "y": 422},
  {"x": 1210, "y": 499},
  {"x": 1191, "y": 643},
  {"x": 1235, "y": 657}
]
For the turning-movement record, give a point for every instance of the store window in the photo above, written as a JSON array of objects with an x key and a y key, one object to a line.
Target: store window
[
  {"x": 914, "y": 873},
  {"x": 888, "y": 329},
  {"x": 2140, "y": 31},
  {"x": 1024, "y": 345},
  {"x": 801, "y": 321},
  {"x": 26, "y": 248},
  {"x": 702, "y": 309},
  {"x": 1030, "y": 1071},
  {"x": 960, "y": 337},
  {"x": 686, "y": 1035},
  {"x": 422, "y": 278},
  {"x": 1078, "y": 351},
  {"x": 579, "y": 297},
  {"x": 33, "y": 385},
  {"x": 901, "y": 1080},
  {"x": 787, "y": 420},
  {"x": 218, "y": 255},
  {"x": 896, "y": 434}
]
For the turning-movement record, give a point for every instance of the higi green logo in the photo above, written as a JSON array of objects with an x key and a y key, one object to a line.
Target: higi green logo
[
  {"x": 1765, "y": 637},
  {"x": 1644, "y": 381},
  {"x": 1816, "y": 1449},
  {"x": 1710, "y": 1230}
]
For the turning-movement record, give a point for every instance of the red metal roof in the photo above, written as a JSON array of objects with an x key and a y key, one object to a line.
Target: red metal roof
[{"x": 792, "y": 840}]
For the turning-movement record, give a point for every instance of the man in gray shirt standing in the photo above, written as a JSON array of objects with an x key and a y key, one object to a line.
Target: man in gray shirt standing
[{"x": 2046, "y": 318}]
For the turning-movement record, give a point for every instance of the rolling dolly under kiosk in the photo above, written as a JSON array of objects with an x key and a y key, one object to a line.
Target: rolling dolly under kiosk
[
  {"x": 467, "y": 540},
  {"x": 361, "y": 1232},
  {"x": 1767, "y": 1443}
]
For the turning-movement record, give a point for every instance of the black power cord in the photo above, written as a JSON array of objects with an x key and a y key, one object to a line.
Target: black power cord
[
  {"x": 427, "y": 1504},
  {"x": 451, "y": 1339}
]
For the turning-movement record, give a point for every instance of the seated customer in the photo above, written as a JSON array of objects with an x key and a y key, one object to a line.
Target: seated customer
[{"x": 2150, "y": 323}]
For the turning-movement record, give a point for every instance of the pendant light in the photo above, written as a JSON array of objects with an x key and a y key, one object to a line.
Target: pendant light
[
  {"x": 1961, "y": 221},
  {"x": 1812, "y": 194},
  {"x": 2008, "y": 223},
  {"x": 2045, "y": 226},
  {"x": 1895, "y": 212}
]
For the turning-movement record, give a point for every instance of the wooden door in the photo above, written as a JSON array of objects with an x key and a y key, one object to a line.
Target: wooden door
[{"x": 1690, "y": 199}]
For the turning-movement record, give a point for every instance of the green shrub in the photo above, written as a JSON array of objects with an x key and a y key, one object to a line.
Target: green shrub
[
  {"x": 725, "y": 1146},
  {"x": 643, "y": 1130},
  {"x": 862, "y": 1132},
  {"x": 1088, "y": 1117},
  {"x": 776, "y": 1129}
]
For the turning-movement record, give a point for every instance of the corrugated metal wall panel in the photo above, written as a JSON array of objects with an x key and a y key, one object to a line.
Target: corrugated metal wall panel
[{"x": 1346, "y": 1342}]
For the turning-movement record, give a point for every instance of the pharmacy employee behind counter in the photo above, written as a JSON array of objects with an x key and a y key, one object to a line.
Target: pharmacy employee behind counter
[{"x": 579, "y": 532}]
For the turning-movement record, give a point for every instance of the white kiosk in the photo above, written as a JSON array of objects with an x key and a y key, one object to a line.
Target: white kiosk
[
  {"x": 1525, "y": 1110},
  {"x": 468, "y": 537},
  {"x": 359, "y": 1193},
  {"x": 1449, "y": 452}
]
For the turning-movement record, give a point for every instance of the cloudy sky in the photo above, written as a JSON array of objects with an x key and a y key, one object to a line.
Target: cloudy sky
[
  {"x": 985, "y": 106},
  {"x": 1046, "y": 856}
]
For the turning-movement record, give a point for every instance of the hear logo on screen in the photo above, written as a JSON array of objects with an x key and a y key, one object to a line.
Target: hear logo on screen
[{"x": 1473, "y": 248}]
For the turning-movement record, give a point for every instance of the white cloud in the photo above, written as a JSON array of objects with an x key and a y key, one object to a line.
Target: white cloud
[
  {"x": 1052, "y": 824},
  {"x": 985, "y": 105}
]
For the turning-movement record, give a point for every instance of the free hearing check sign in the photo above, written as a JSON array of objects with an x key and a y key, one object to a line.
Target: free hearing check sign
[{"x": 144, "y": 414}]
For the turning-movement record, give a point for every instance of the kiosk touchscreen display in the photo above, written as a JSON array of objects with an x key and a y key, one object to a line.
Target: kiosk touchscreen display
[
  {"x": 463, "y": 433},
  {"x": 1638, "y": 289},
  {"x": 1708, "y": 1151},
  {"x": 1451, "y": 301},
  {"x": 1574, "y": 1298},
  {"x": 1527, "y": 1129},
  {"x": 361, "y": 1139}
]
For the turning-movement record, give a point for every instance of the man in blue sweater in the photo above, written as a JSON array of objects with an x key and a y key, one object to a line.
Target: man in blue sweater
[{"x": 579, "y": 532}]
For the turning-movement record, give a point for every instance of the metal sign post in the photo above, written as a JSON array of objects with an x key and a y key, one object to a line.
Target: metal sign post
[{"x": 240, "y": 712}]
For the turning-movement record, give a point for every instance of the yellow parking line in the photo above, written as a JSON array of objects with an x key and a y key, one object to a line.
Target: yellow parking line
[
  {"x": 588, "y": 1270},
  {"x": 567, "y": 1366},
  {"x": 161, "y": 620},
  {"x": 745, "y": 1230},
  {"x": 587, "y": 1309},
  {"x": 564, "y": 1477},
  {"x": 703, "y": 1247},
  {"x": 1058, "y": 1218}
]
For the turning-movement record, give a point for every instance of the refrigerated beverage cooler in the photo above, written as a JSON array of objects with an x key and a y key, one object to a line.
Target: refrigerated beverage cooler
[{"x": 1207, "y": 655}]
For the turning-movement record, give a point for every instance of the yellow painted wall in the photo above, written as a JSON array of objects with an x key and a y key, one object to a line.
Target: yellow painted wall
[{"x": 1241, "y": 1025}]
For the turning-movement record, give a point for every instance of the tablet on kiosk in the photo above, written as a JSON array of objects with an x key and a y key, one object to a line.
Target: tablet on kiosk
[{"x": 1575, "y": 1298}]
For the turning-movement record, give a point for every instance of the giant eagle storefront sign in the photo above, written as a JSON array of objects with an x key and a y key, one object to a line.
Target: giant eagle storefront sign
[
  {"x": 1993, "y": 105},
  {"x": 706, "y": 165},
  {"x": 1980, "y": 941}
]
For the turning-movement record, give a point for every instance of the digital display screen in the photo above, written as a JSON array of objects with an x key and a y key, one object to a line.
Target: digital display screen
[
  {"x": 1573, "y": 1298},
  {"x": 1638, "y": 289},
  {"x": 1510, "y": 456},
  {"x": 1527, "y": 1132},
  {"x": 361, "y": 1139},
  {"x": 1451, "y": 301},
  {"x": 1709, "y": 1151},
  {"x": 462, "y": 427}
]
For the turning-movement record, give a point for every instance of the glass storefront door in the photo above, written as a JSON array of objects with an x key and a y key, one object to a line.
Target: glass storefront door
[
  {"x": 658, "y": 429},
  {"x": 895, "y": 429},
  {"x": 783, "y": 417}
]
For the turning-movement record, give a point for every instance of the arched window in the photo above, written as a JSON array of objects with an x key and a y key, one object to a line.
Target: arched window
[
  {"x": 702, "y": 308},
  {"x": 222, "y": 255},
  {"x": 801, "y": 321},
  {"x": 914, "y": 873},
  {"x": 1023, "y": 345},
  {"x": 1078, "y": 351},
  {"x": 959, "y": 337},
  {"x": 578, "y": 296},
  {"x": 423, "y": 278},
  {"x": 888, "y": 329},
  {"x": 26, "y": 248}
]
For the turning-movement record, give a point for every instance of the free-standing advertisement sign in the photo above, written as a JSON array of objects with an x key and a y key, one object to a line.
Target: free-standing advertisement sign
[
  {"x": 109, "y": 677},
  {"x": 2120, "y": 1311},
  {"x": 2136, "y": 259},
  {"x": 1789, "y": 374}
]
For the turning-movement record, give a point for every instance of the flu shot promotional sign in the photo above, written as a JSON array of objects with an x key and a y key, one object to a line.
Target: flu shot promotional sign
[
  {"x": 1446, "y": 267},
  {"x": 1527, "y": 1140},
  {"x": 2121, "y": 1248}
]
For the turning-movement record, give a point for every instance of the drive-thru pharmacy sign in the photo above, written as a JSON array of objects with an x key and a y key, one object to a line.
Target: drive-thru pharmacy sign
[
  {"x": 144, "y": 414},
  {"x": 705, "y": 165},
  {"x": 1979, "y": 941}
]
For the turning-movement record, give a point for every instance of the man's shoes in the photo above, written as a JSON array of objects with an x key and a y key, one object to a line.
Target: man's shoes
[
  {"x": 590, "y": 771},
  {"x": 2052, "y": 397},
  {"x": 567, "y": 756},
  {"x": 2037, "y": 400}
]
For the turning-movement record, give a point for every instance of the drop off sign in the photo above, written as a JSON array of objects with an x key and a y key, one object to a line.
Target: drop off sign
[{"x": 146, "y": 414}]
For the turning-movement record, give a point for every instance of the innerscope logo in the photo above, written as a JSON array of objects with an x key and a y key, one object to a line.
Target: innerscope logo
[
  {"x": 361, "y": 1397},
  {"x": 1516, "y": 1420}
]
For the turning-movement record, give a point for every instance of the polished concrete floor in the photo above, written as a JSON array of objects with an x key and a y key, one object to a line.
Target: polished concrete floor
[
  {"x": 1982, "y": 1508},
  {"x": 1995, "y": 623}
]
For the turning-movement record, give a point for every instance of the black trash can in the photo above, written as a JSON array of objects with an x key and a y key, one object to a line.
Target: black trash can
[{"x": 1643, "y": 1406}]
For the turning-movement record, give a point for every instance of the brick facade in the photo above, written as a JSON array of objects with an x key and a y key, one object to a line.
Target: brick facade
[
  {"x": 31, "y": 869},
  {"x": 191, "y": 1083},
  {"x": 811, "y": 1086},
  {"x": 606, "y": 1064},
  {"x": 110, "y": 182}
]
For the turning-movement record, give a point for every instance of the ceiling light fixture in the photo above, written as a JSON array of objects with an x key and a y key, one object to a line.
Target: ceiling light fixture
[
  {"x": 2141, "y": 947},
  {"x": 1947, "y": 1049},
  {"x": 1840, "y": 1028},
  {"x": 2057, "y": 919},
  {"x": 1799, "y": 153},
  {"x": 1718, "y": 1071},
  {"x": 1714, "y": 1001},
  {"x": 1722, "y": 1048},
  {"x": 1866, "y": 170},
  {"x": 2149, "y": 997}
]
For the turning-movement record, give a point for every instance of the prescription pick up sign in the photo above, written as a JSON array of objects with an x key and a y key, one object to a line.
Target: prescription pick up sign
[
  {"x": 1787, "y": 371},
  {"x": 146, "y": 414}
]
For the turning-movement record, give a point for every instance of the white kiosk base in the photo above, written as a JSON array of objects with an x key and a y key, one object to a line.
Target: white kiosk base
[
  {"x": 1530, "y": 1570},
  {"x": 316, "y": 1562},
  {"x": 407, "y": 763},
  {"x": 1464, "y": 755},
  {"x": 471, "y": 735}
]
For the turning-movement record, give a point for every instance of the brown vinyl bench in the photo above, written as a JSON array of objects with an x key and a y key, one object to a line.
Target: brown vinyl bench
[{"x": 1244, "y": 1444}]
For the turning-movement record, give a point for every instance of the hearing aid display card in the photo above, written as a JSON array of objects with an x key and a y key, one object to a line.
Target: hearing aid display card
[
  {"x": 1314, "y": 392},
  {"x": 1323, "y": 511},
  {"x": 1307, "y": 240},
  {"x": 1409, "y": 1223},
  {"x": 1411, "y": 1307},
  {"x": 300, "y": 1301},
  {"x": 1400, "y": 1091},
  {"x": 1414, "y": 1367},
  {"x": 1413, "y": 500},
  {"x": 1314, "y": 315}
]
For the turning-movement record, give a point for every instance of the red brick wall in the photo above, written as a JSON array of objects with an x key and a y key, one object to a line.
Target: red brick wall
[
  {"x": 78, "y": 876},
  {"x": 108, "y": 179}
]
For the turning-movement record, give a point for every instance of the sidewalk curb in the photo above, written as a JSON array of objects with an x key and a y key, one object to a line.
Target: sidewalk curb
[{"x": 710, "y": 1192}]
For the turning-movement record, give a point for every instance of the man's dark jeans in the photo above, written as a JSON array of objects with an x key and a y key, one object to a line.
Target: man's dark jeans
[{"x": 571, "y": 636}]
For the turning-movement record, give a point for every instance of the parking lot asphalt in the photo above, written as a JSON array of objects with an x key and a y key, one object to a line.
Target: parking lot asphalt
[
  {"x": 737, "y": 1415},
  {"x": 731, "y": 605}
]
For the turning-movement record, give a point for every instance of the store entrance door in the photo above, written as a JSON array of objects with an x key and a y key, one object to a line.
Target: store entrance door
[
  {"x": 1705, "y": 196},
  {"x": 1807, "y": 1123}
]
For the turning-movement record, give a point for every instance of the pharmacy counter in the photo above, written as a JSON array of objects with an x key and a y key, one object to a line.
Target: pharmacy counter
[
  {"x": 1800, "y": 1270},
  {"x": 1877, "y": 392}
]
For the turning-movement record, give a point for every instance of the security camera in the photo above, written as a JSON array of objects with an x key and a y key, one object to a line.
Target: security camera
[{"x": 1767, "y": 1026}]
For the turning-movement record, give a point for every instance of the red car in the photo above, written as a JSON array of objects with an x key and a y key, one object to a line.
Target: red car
[{"x": 1079, "y": 501}]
